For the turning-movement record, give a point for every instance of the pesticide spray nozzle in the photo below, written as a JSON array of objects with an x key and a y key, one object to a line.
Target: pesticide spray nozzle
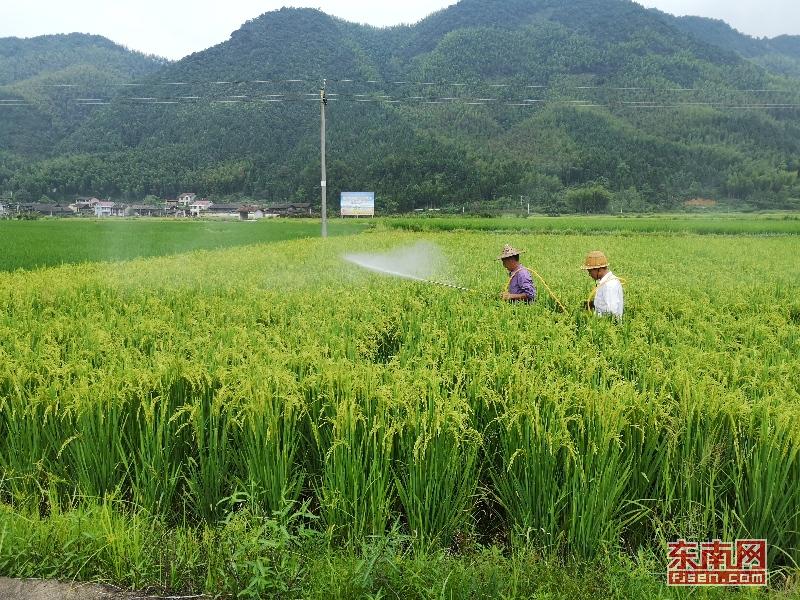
[{"x": 445, "y": 284}]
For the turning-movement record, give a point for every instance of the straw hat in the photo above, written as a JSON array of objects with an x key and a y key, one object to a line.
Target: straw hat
[
  {"x": 509, "y": 251},
  {"x": 595, "y": 260}
]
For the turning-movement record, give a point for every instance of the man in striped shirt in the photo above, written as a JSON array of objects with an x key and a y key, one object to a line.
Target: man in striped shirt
[{"x": 520, "y": 286}]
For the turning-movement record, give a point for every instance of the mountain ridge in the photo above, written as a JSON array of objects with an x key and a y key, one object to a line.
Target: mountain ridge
[{"x": 245, "y": 119}]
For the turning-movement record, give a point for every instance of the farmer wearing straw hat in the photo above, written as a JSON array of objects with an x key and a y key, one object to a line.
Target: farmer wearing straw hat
[
  {"x": 606, "y": 297},
  {"x": 520, "y": 286}
]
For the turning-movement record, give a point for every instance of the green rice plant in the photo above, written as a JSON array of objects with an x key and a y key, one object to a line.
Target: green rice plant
[
  {"x": 157, "y": 448},
  {"x": 23, "y": 451},
  {"x": 268, "y": 449},
  {"x": 189, "y": 389},
  {"x": 646, "y": 440},
  {"x": 92, "y": 454},
  {"x": 208, "y": 467},
  {"x": 528, "y": 476},
  {"x": 766, "y": 481},
  {"x": 694, "y": 484},
  {"x": 597, "y": 474},
  {"x": 356, "y": 490},
  {"x": 437, "y": 468}
]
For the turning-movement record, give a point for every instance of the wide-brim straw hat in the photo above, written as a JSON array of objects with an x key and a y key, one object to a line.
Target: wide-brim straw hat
[
  {"x": 509, "y": 251},
  {"x": 594, "y": 260}
]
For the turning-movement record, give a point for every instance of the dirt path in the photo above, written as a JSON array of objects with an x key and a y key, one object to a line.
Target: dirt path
[{"x": 42, "y": 589}]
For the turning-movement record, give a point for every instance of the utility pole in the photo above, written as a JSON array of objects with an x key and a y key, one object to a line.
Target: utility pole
[{"x": 323, "y": 182}]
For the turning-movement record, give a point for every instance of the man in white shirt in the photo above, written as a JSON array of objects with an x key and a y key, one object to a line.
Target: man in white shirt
[{"x": 607, "y": 297}]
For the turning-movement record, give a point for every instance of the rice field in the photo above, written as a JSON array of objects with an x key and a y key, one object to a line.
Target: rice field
[
  {"x": 52, "y": 242},
  {"x": 721, "y": 223},
  {"x": 215, "y": 389}
]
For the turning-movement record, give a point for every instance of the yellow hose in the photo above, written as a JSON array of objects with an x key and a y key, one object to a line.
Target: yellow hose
[{"x": 549, "y": 291}]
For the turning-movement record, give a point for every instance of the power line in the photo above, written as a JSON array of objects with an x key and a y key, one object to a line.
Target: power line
[
  {"x": 654, "y": 101},
  {"x": 414, "y": 100},
  {"x": 410, "y": 83}
]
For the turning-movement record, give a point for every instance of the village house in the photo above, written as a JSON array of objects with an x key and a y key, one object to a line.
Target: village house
[
  {"x": 199, "y": 206},
  {"x": 144, "y": 210},
  {"x": 5, "y": 203},
  {"x": 223, "y": 211},
  {"x": 105, "y": 208},
  {"x": 186, "y": 198},
  {"x": 57, "y": 210},
  {"x": 84, "y": 206},
  {"x": 243, "y": 212},
  {"x": 292, "y": 209},
  {"x": 249, "y": 212},
  {"x": 172, "y": 208},
  {"x": 46, "y": 210}
]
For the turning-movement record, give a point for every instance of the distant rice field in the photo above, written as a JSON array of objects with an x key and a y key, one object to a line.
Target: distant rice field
[
  {"x": 730, "y": 224},
  {"x": 50, "y": 242}
]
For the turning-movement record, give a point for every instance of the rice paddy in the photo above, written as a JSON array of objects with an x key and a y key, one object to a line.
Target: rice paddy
[{"x": 215, "y": 389}]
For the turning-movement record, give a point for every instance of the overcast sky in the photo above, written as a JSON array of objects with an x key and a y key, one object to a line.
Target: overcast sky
[{"x": 175, "y": 28}]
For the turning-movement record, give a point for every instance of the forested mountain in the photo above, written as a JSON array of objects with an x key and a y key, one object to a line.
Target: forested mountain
[
  {"x": 37, "y": 72},
  {"x": 552, "y": 99},
  {"x": 22, "y": 59}
]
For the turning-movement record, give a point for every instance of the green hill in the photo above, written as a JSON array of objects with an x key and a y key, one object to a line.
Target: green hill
[
  {"x": 47, "y": 73},
  {"x": 25, "y": 59},
  {"x": 484, "y": 100}
]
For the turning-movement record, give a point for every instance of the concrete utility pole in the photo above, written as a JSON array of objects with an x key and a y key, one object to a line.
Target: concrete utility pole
[{"x": 323, "y": 182}]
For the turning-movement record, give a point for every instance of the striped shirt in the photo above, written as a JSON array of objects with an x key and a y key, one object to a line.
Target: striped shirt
[{"x": 520, "y": 282}]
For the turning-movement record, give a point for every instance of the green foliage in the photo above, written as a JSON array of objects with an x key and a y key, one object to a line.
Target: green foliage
[
  {"x": 780, "y": 54},
  {"x": 593, "y": 199},
  {"x": 23, "y": 59},
  {"x": 251, "y": 556},
  {"x": 50, "y": 72}
]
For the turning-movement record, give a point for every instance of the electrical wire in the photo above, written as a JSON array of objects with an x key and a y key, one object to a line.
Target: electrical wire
[
  {"x": 417, "y": 100},
  {"x": 408, "y": 83},
  {"x": 644, "y": 97}
]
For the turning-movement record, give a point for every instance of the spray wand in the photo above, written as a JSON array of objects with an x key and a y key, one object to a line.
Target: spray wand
[
  {"x": 450, "y": 285},
  {"x": 372, "y": 267},
  {"x": 463, "y": 289},
  {"x": 415, "y": 278},
  {"x": 366, "y": 265}
]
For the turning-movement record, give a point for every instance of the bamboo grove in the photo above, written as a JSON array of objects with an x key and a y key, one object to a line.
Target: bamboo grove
[{"x": 194, "y": 386}]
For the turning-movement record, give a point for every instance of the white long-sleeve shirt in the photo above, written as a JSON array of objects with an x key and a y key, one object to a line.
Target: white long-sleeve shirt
[{"x": 609, "y": 299}]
